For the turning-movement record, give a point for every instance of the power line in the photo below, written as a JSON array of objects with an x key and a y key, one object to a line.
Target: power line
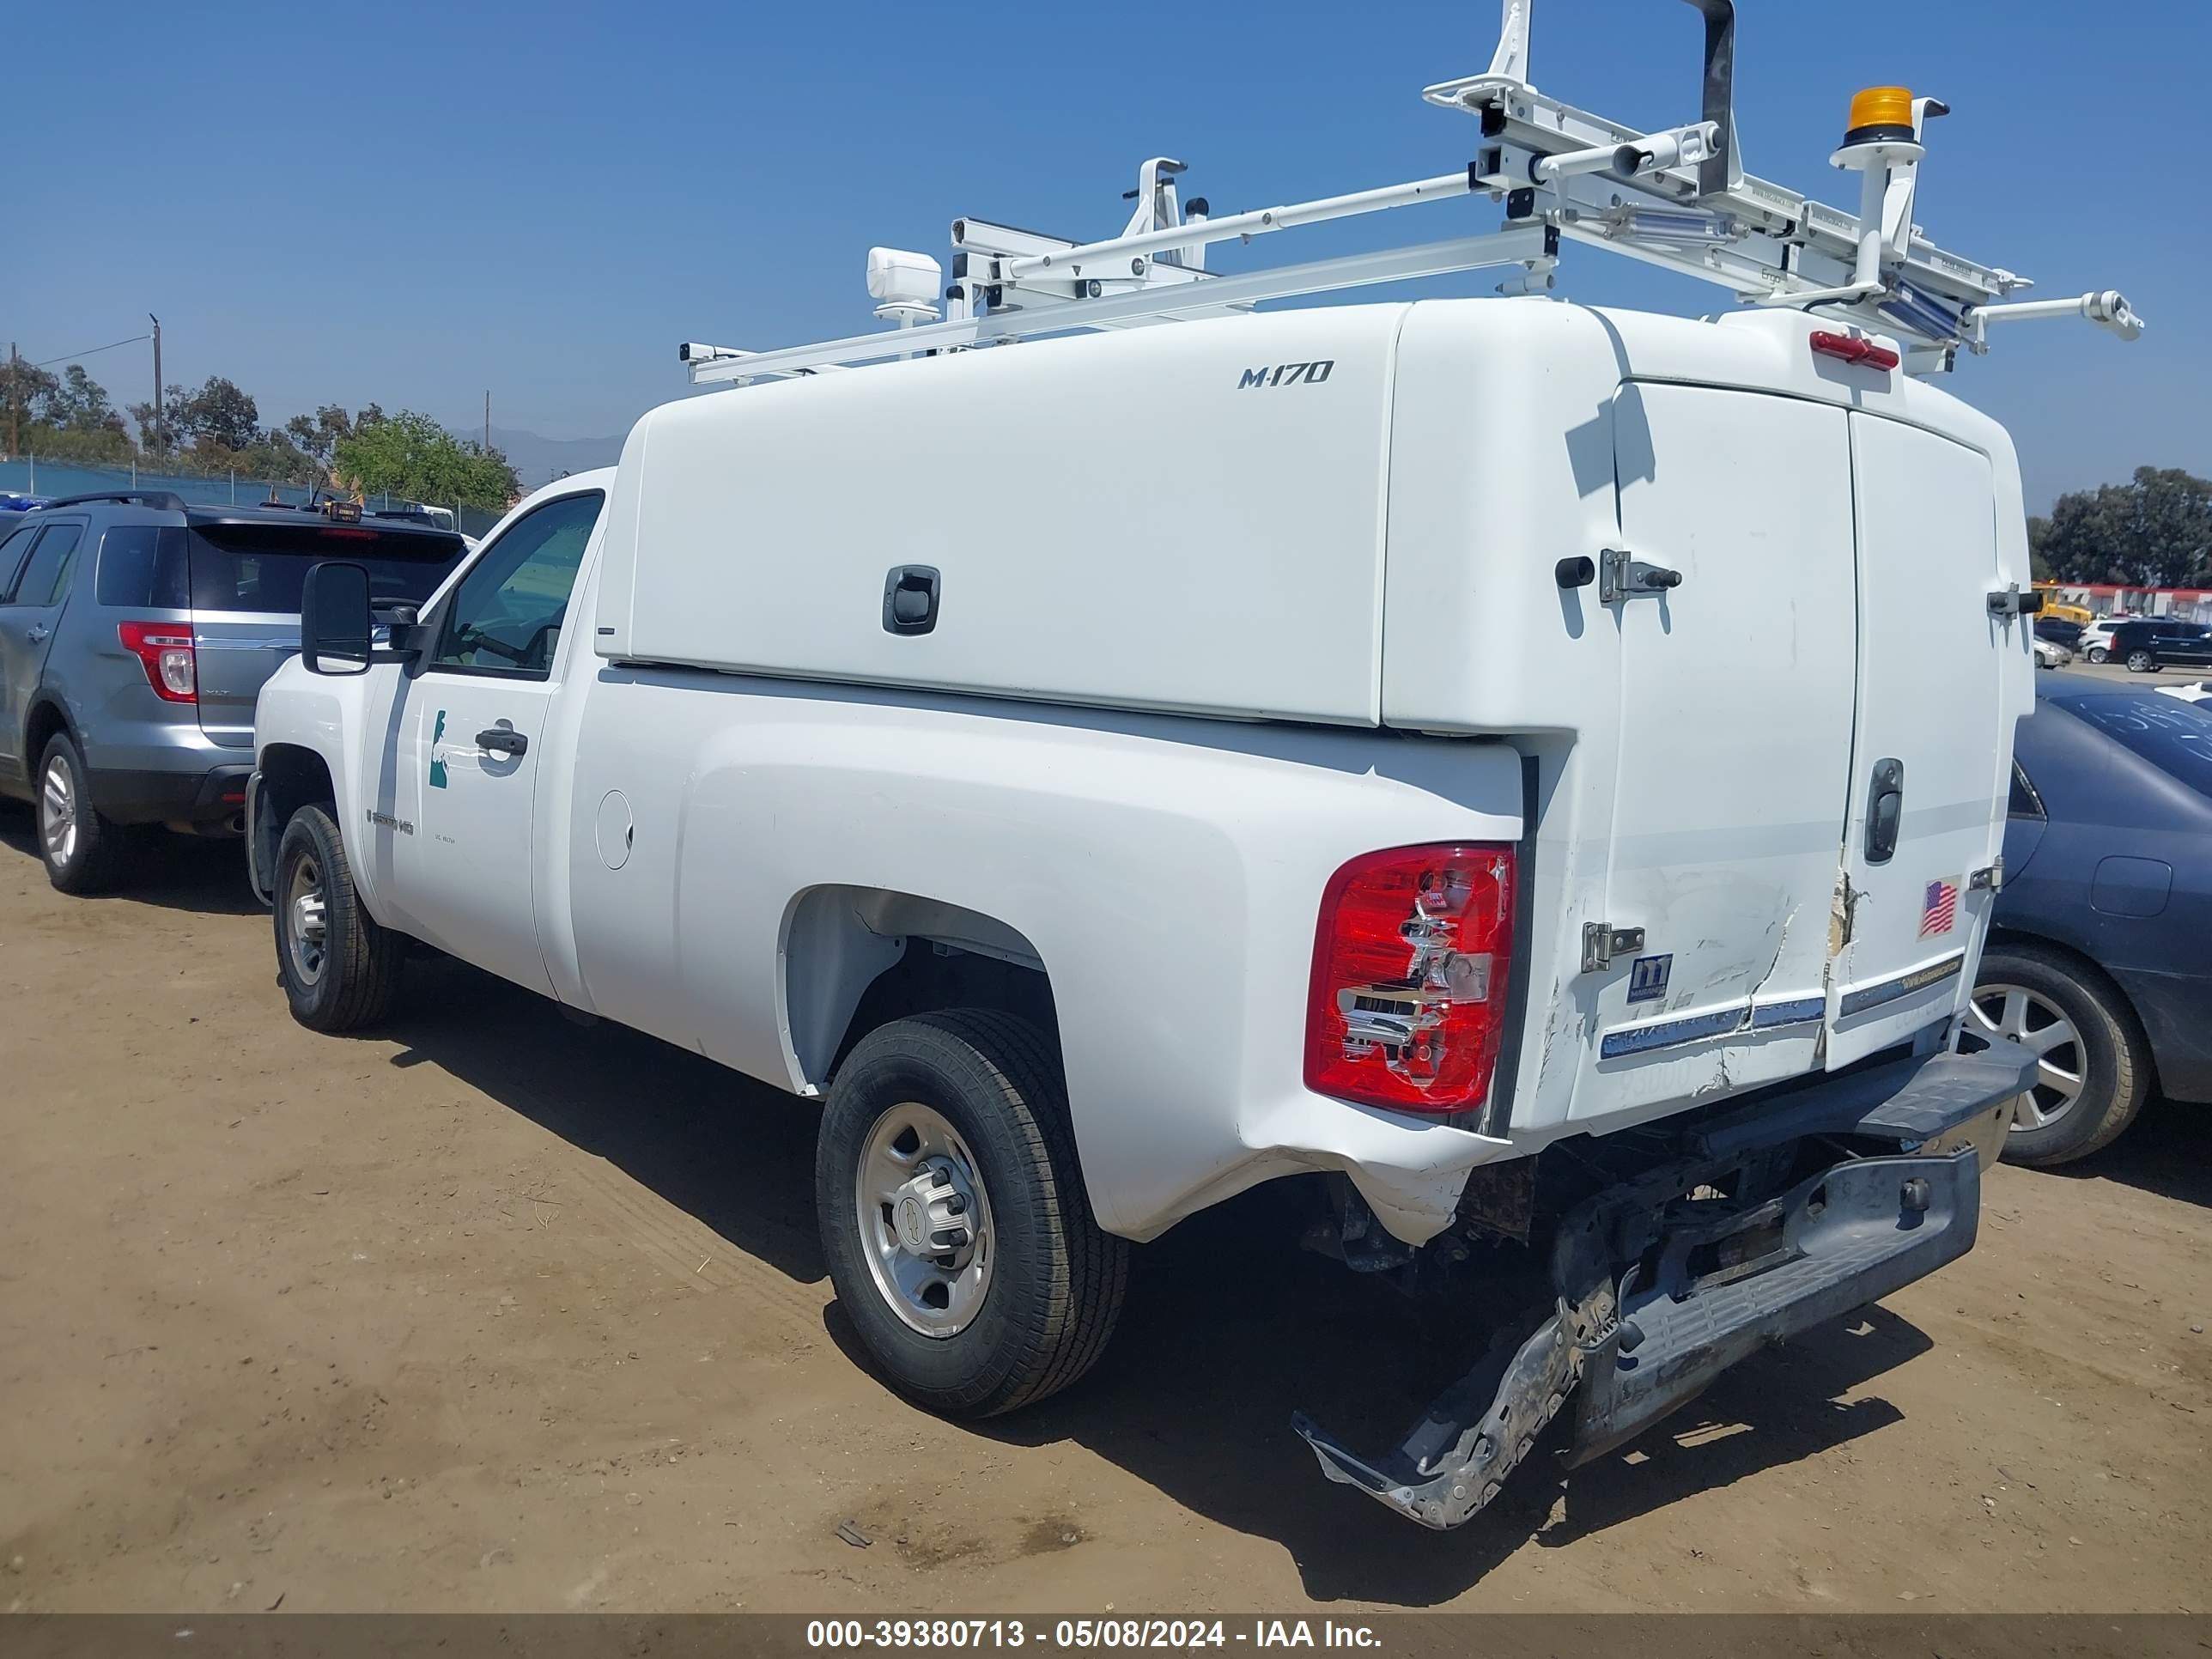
[{"x": 71, "y": 356}]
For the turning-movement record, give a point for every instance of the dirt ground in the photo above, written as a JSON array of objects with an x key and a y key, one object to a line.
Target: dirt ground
[{"x": 494, "y": 1312}]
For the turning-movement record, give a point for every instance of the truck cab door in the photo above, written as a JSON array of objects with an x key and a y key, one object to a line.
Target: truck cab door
[
  {"x": 1940, "y": 681},
  {"x": 466, "y": 743}
]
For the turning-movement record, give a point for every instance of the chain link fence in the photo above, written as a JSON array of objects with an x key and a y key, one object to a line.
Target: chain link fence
[{"x": 29, "y": 475}]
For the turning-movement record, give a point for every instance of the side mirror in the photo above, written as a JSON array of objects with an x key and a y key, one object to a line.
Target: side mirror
[{"x": 335, "y": 626}]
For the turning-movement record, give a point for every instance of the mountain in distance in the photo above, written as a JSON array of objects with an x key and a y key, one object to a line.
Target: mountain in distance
[{"x": 538, "y": 460}]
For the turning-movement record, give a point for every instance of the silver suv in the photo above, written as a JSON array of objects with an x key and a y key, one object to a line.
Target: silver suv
[{"x": 135, "y": 632}]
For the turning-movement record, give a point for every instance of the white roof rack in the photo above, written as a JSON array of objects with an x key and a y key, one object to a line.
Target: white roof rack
[{"x": 1678, "y": 198}]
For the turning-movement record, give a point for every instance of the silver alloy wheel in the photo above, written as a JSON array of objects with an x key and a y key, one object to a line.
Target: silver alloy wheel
[
  {"x": 2041, "y": 1027},
  {"x": 2142, "y": 662},
  {"x": 306, "y": 917},
  {"x": 924, "y": 1220},
  {"x": 57, "y": 811},
  {"x": 2096, "y": 653}
]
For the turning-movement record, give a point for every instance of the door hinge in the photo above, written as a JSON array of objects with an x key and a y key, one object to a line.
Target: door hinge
[
  {"x": 1621, "y": 576},
  {"x": 1603, "y": 942},
  {"x": 1990, "y": 876},
  {"x": 2013, "y": 603}
]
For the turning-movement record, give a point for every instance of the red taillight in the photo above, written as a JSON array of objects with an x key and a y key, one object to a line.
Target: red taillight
[
  {"x": 1853, "y": 350},
  {"x": 166, "y": 650},
  {"x": 346, "y": 535},
  {"x": 1407, "y": 1005}
]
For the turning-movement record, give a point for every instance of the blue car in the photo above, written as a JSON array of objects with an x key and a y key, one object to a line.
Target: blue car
[{"x": 2099, "y": 958}]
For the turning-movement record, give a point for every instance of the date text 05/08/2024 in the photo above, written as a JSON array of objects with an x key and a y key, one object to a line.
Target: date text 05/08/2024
[{"x": 952, "y": 1634}]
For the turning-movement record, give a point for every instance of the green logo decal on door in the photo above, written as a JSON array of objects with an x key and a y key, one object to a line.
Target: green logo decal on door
[{"x": 437, "y": 766}]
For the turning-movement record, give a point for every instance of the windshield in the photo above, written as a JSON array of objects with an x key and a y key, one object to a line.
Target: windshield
[{"x": 2172, "y": 734}]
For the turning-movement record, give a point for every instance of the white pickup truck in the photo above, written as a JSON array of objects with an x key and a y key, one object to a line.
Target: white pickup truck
[
  {"x": 1536, "y": 772},
  {"x": 1533, "y": 774}
]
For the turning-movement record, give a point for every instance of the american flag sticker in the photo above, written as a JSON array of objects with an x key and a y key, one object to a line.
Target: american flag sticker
[{"x": 1939, "y": 908}]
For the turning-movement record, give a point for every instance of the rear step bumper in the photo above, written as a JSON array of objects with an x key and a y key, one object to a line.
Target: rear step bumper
[{"x": 1723, "y": 1280}]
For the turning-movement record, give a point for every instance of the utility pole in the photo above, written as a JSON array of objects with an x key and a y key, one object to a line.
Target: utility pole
[
  {"x": 161, "y": 414},
  {"x": 487, "y": 422},
  {"x": 14, "y": 397}
]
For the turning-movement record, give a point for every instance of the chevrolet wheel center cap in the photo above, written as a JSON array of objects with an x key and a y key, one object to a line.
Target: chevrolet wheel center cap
[{"x": 912, "y": 1224}]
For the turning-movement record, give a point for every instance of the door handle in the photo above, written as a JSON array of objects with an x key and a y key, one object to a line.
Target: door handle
[
  {"x": 503, "y": 739},
  {"x": 1885, "y": 810},
  {"x": 36, "y": 633}
]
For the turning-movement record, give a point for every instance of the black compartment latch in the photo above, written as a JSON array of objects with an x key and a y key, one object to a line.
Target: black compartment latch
[{"x": 910, "y": 598}]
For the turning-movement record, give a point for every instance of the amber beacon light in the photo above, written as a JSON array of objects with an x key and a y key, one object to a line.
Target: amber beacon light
[{"x": 1880, "y": 115}]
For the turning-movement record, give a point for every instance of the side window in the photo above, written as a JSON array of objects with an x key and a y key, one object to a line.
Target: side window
[
  {"x": 45, "y": 580},
  {"x": 142, "y": 565},
  {"x": 11, "y": 556},
  {"x": 507, "y": 615},
  {"x": 2026, "y": 803}
]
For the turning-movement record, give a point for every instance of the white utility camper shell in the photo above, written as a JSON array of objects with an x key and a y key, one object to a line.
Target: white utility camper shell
[{"x": 1358, "y": 516}]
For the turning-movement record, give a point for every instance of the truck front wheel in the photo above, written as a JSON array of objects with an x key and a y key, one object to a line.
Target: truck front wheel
[
  {"x": 954, "y": 1219},
  {"x": 338, "y": 968}
]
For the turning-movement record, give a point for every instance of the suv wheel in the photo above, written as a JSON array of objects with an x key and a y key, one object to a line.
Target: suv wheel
[
  {"x": 957, "y": 1232},
  {"x": 2092, "y": 1066},
  {"x": 2142, "y": 662},
  {"x": 2096, "y": 653},
  {"x": 83, "y": 851},
  {"x": 338, "y": 967}
]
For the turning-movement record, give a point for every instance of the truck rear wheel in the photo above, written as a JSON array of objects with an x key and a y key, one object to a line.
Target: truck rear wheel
[
  {"x": 338, "y": 968},
  {"x": 954, "y": 1219}
]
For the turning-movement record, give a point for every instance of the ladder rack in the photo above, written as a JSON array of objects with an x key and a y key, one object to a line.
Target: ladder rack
[{"x": 1678, "y": 198}]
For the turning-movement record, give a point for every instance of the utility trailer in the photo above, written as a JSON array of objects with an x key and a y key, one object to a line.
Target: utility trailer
[{"x": 1090, "y": 766}]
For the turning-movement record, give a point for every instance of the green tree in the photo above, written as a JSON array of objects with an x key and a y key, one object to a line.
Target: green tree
[
  {"x": 2154, "y": 532},
  {"x": 23, "y": 392},
  {"x": 159, "y": 429},
  {"x": 318, "y": 435},
  {"x": 2038, "y": 542},
  {"x": 79, "y": 403},
  {"x": 220, "y": 411},
  {"x": 66, "y": 417},
  {"x": 272, "y": 456},
  {"x": 411, "y": 455}
]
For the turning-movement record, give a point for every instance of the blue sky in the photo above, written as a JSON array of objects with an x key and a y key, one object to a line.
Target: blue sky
[{"x": 409, "y": 204}]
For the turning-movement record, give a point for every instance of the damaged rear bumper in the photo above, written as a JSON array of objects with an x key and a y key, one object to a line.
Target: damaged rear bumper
[{"x": 1658, "y": 1294}]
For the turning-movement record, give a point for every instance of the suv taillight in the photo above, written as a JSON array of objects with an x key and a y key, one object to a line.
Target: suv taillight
[
  {"x": 1407, "y": 1005},
  {"x": 165, "y": 651}
]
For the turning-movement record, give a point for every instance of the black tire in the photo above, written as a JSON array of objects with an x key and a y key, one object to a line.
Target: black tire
[
  {"x": 2112, "y": 1056},
  {"x": 2096, "y": 653},
  {"x": 1056, "y": 1281},
  {"x": 351, "y": 982},
  {"x": 95, "y": 856},
  {"x": 2142, "y": 662}
]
